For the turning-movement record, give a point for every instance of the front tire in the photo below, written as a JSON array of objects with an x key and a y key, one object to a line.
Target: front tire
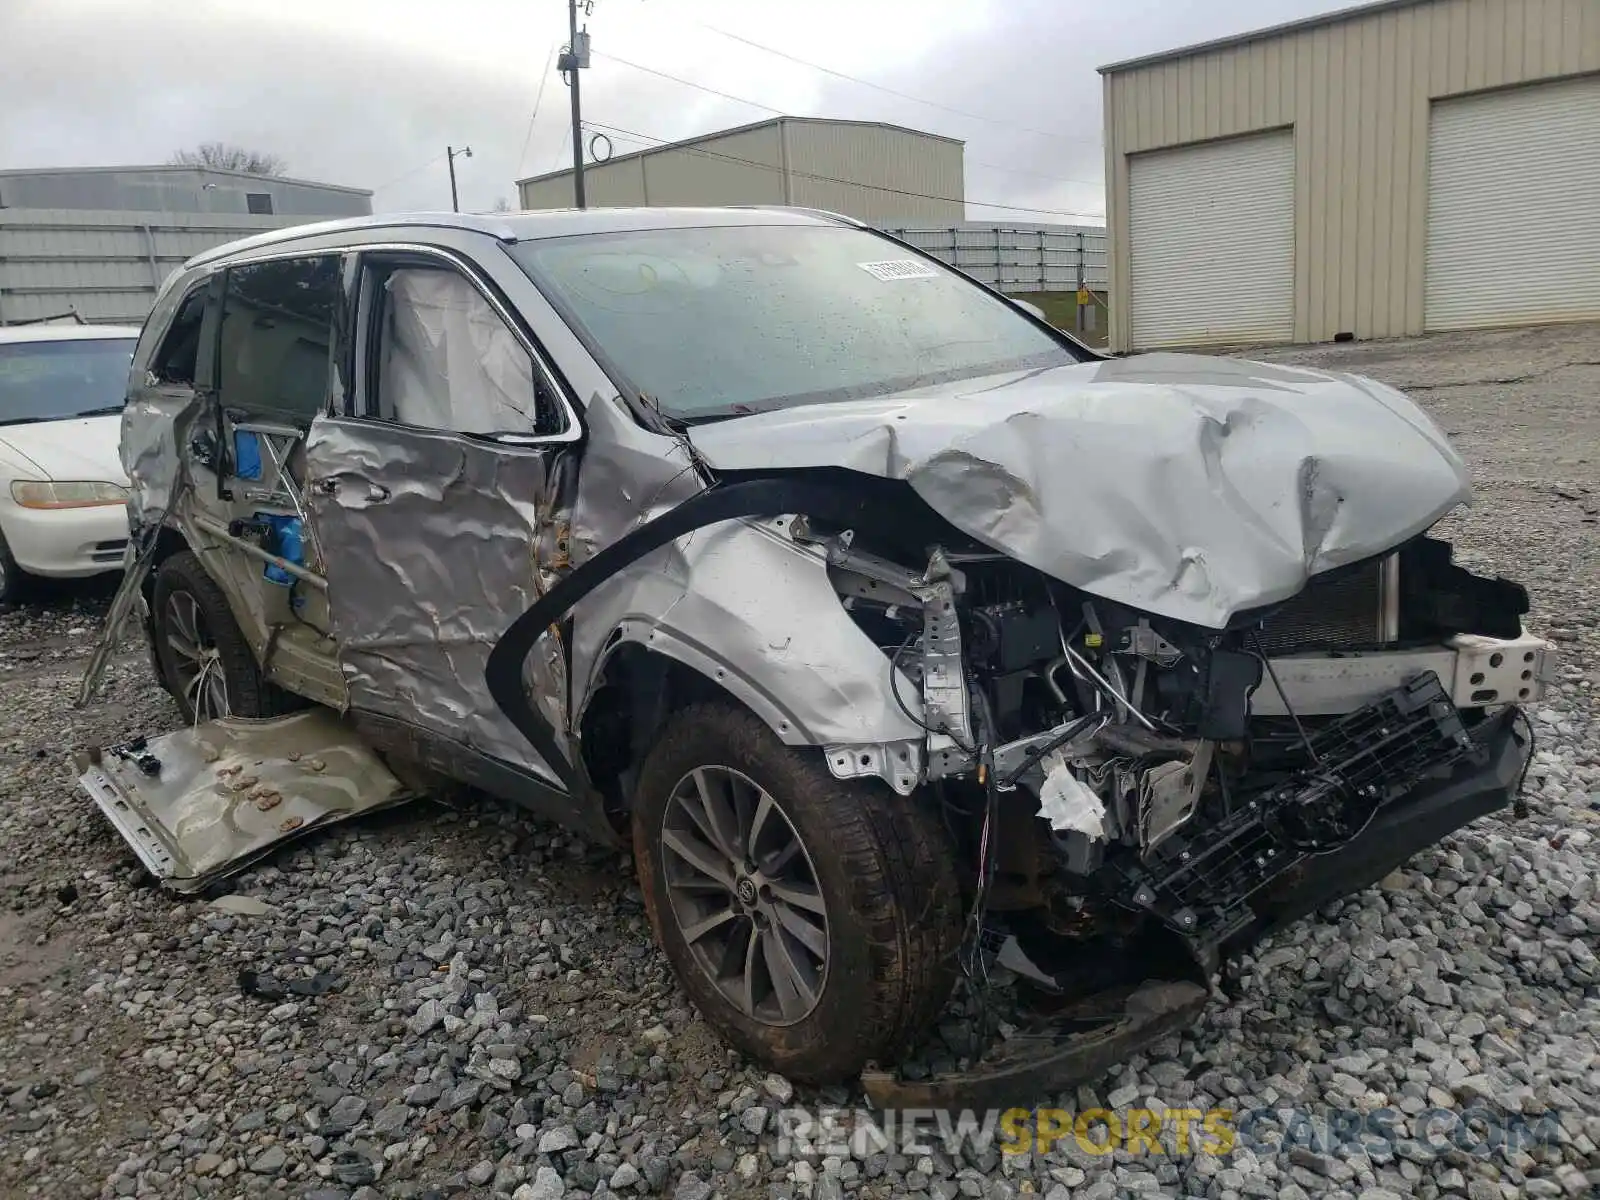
[
  {"x": 814, "y": 922},
  {"x": 12, "y": 580},
  {"x": 204, "y": 659}
]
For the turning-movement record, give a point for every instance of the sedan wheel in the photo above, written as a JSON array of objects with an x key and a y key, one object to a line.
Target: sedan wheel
[{"x": 11, "y": 576}]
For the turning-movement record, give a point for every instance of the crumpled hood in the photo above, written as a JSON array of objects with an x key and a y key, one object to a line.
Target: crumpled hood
[
  {"x": 78, "y": 448},
  {"x": 1188, "y": 486}
]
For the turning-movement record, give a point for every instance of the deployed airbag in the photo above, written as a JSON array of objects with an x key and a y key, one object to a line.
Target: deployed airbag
[{"x": 449, "y": 361}]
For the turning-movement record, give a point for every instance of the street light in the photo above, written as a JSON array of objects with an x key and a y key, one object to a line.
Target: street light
[{"x": 451, "y": 152}]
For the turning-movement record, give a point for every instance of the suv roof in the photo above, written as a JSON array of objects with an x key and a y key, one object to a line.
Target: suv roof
[
  {"x": 12, "y": 334},
  {"x": 533, "y": 226}
]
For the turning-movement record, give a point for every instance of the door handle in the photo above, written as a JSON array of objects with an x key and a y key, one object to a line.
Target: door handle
[{"x": 377, "y": 493}]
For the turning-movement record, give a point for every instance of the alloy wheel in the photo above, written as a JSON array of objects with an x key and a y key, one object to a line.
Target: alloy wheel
[
  {"x": 743, "y": 891},
  {"x": 196, "y": 662}
]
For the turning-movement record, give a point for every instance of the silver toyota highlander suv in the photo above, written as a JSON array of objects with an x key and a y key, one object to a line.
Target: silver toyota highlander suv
[{"x": 891, "y": 628}]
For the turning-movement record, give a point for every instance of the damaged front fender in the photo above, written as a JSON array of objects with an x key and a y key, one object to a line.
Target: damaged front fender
[
  {"x": 755, "y": 613},
  {"x": 751, "y": 612}
]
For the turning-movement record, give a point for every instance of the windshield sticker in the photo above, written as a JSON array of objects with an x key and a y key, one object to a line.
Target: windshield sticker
[{"x": 899, "y": 268}]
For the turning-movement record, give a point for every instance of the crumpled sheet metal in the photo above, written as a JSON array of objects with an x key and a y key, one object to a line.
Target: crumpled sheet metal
[
  {"x": 152, "y": 424},
  {"x": 1182, "y": 485},
  {"x": 758, "y": 615},
  {"x": 739, "y": 602},
  {"x": 156, "y": 420},
  {"x": 423, "y": 583},
  {"x": 229, "y": 791}
]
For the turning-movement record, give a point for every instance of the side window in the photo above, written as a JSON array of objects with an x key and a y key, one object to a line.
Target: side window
[
  {"x": 175, "y": 361},
  {"x": 443, "y": 358},
  {"x": 277, "y": 336}
]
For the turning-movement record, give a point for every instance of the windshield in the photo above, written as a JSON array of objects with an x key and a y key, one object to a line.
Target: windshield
[
  {"x": 51, "y": 381},
  {"x": 716, "y": 322}
]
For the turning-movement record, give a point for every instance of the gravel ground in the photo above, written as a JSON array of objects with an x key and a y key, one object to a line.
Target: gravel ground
[{"x": 502, "y": 1024}]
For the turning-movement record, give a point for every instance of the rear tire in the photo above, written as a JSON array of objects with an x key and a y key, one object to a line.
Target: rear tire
[
  {"x": 204, "y": 659},
  {"x": 871, "y": 882}
]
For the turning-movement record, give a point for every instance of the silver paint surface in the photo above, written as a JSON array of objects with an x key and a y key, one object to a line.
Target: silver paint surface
[
  {"x": 430, "y": 544},
  {"x": 230, "y": 791},
  {"x": 758, "y": 615},
  {"x": 1187, "y": 486}
]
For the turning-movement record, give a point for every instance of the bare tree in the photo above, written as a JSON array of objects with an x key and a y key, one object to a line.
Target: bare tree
[
  {"x": 224, "y": 156},
  {"x": 501, "y": 205}
]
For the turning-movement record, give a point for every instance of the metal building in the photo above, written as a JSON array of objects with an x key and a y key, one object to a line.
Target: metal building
[
  {"x": 95, "y": 243},
  {"x": 1401, "y": 167},
  {"x": 863, "y": 169}
]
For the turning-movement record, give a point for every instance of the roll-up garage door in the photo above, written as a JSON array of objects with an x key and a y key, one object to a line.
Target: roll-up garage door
[
  {"x": 1211, "y": 241},
  {"x": 1514, "y": 207}
]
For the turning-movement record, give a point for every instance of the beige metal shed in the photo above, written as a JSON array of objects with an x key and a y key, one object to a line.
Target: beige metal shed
[
  {"x": 863, "y": 169},
  {"x": 1381, "y": 171}
]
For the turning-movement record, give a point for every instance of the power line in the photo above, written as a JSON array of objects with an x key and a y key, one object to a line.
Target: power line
[
  {"x": 876, "y": 187},
  {"x": 687, "y": 83},
  {"x": 892, "y": 91},
  {"x": 537, "y": 100},
  {"x": 782, "y": 112},
  {"x": 561, "y": 150},
  {"x": 407, "y": 175}
]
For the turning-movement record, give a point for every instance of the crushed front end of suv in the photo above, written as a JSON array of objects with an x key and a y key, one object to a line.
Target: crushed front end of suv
[{"x": 895, "y": 631}]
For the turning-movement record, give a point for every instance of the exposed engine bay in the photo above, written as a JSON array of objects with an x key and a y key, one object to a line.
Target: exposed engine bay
[{"x": 1103, "y": 765}]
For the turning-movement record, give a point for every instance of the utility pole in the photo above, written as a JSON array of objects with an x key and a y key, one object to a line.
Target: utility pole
[
  {"x": 451, "y": 152},
  {"x": 569, "y": 64}
]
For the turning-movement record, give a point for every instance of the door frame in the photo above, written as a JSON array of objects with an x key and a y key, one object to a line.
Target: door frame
[{"x": 355, "y": 346}]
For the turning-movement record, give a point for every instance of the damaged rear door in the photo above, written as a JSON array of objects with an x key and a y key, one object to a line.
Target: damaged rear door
[{"x": 437, "y": 498}]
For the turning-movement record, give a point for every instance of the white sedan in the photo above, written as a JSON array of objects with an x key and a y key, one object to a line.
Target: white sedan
[{"x": 62, "y": 488}]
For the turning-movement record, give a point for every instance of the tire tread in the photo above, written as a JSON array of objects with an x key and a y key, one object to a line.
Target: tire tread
[
  {"x": 250, "y": 693},
  {"x": 902, "y": 886}
]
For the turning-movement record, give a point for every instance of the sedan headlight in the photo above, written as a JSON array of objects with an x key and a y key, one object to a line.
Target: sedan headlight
[{"x": 31, "y": 493}]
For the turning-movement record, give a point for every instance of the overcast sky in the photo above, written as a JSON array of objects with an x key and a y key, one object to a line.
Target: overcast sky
[{"x": 369, "y": 92}]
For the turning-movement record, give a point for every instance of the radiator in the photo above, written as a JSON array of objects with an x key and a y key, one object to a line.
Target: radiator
[{"x": 1339, "y": 611}]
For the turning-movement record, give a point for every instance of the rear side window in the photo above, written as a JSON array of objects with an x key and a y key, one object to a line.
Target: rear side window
[
  {"x": 277, "y": 337},
  {"x": 176, "y": 360}
]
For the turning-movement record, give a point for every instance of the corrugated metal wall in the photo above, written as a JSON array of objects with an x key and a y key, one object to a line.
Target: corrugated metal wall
[
  {"x": 105, "y": 266},
  {"x": 892, "y": 174},
  {"x": 870, "y": 172},
  {"x": 1017, "y": 257},
  {"x": 739, "y": 168},
  {"x": 744, "y": 167},
  {"x": 1357, "y": 93},
  {"x": 176, "y": 191}
]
